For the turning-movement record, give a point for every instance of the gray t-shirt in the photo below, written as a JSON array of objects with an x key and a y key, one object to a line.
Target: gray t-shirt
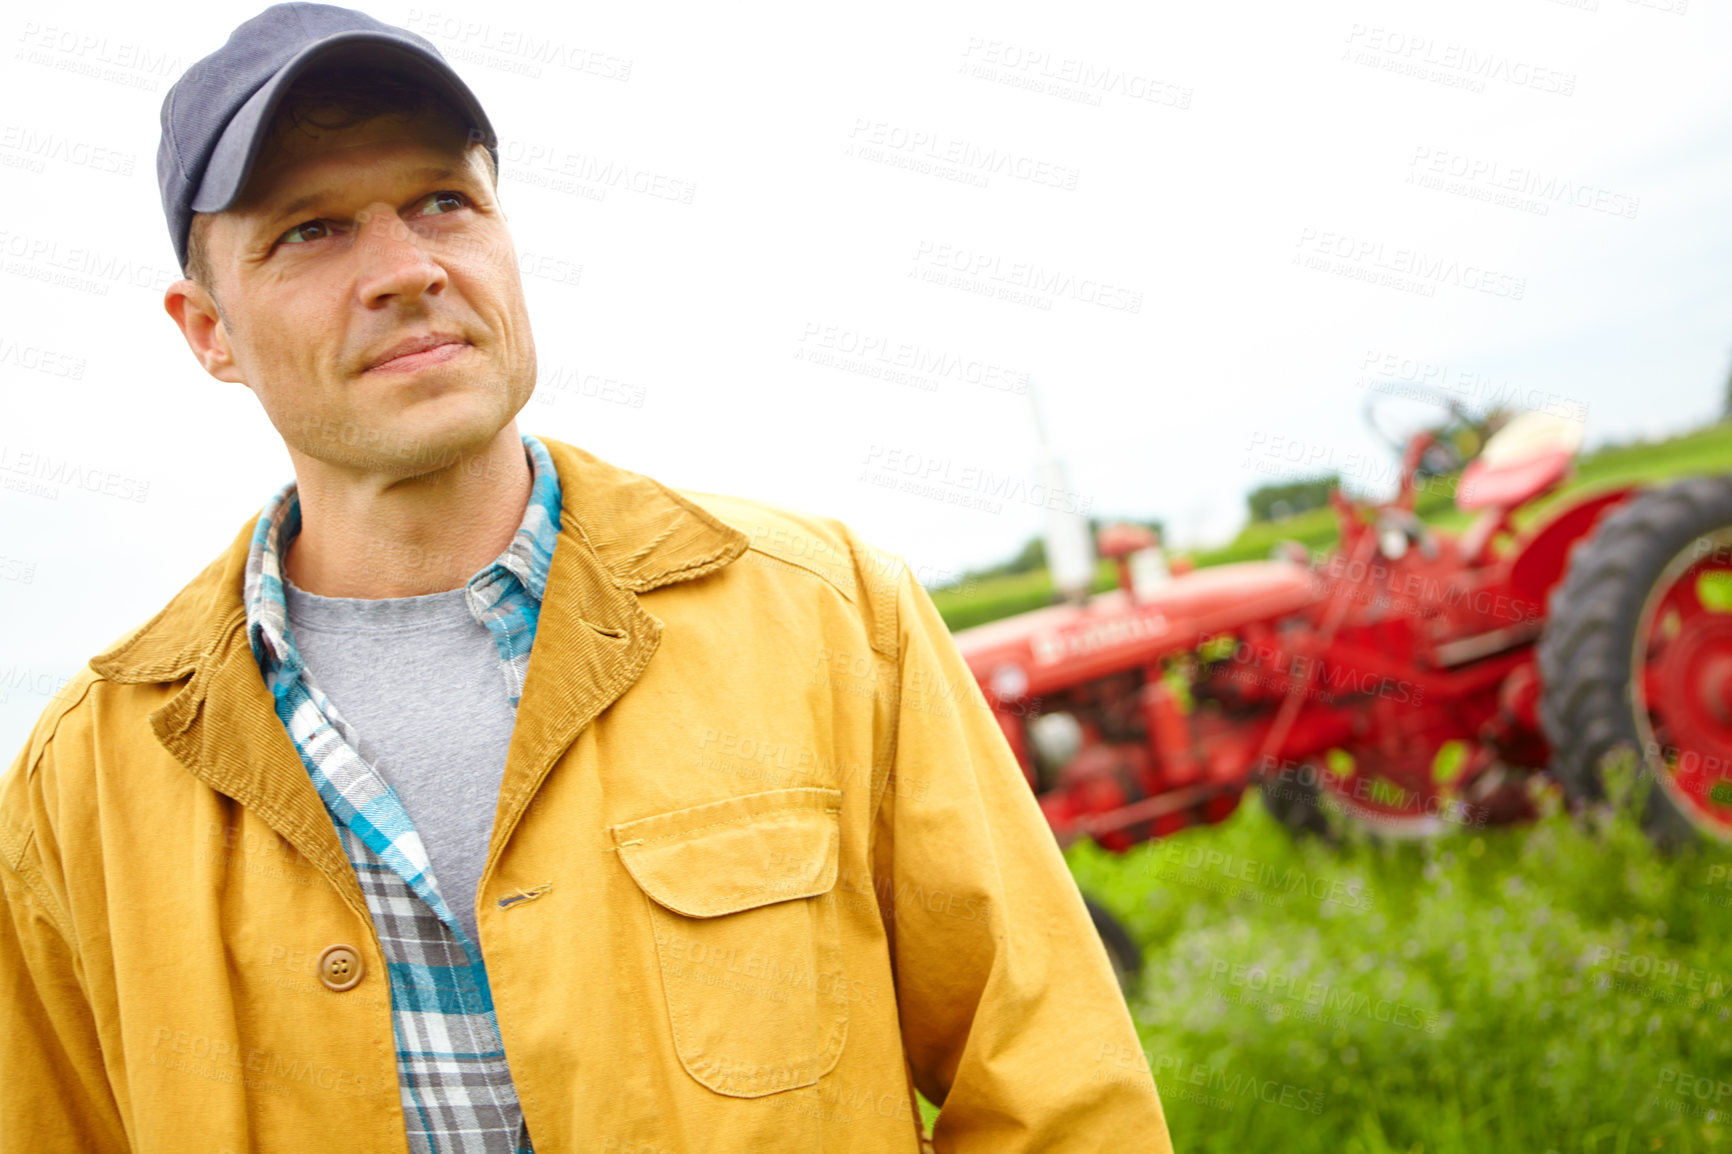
[{"x": 421, "y": 695}]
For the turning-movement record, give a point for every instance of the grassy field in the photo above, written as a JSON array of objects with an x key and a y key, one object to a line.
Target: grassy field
[
  {"x": 1706, "y": 451},
  {"x": 1556, "y": 987}
]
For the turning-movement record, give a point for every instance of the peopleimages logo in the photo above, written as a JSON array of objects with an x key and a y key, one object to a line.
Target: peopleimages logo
[
  {"x": 1397, "y": 374},
  {"x": 1368, "y": 259},
  {"x": 902, "y": 362},
  {"x": 1324, "y": 997},
  {"x": 988, "y": 269},
  {"x": 524, "y": 47},
  {"x": 64, "y": 471},
  {"x": 41, "y": 360},
  {"x": 96, "y": 56},
  {"x": 1353, "y": 895},
  {"x": 1525, "y": 187},
  {"x": 83, "y": 268},
  {"x": 1459, "y": 65},
  {"x": 928, "y": 474},
  {"x": 880, "y": 140},
  {"x": 557, "y": 168},
  {"x": 1067, "y": 77},
  {"x": 45, "y": 146},
  {"x": 1181, "y": 1075}
]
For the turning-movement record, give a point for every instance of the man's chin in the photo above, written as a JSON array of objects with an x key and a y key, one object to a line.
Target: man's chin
[{"x": 414, "y": 448}]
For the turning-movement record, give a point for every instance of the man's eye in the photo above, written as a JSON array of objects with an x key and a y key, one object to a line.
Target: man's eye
[
  {"x": 307, "y": 230},
  {"x": 441, "y": 202}
]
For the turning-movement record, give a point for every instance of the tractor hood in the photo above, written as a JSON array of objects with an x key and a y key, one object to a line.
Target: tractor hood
[{"x": 1064, "y": 644}]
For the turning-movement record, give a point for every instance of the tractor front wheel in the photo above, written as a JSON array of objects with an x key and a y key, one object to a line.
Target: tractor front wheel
[
  {"x": 1298, "y": 805},
  {"x": 1637, "y": 659}
]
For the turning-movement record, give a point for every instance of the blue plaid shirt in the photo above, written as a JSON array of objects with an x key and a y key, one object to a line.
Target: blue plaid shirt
[{"x": 457, "y": 1092}]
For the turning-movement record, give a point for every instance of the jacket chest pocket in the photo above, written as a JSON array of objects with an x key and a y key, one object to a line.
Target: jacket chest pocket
[{"x": 742, "y": 902}]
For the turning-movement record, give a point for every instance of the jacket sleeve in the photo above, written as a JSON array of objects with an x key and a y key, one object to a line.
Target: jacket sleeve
[
  {"x": 54, "y": 1088},
  {"x": 1011, "y": 1017}
]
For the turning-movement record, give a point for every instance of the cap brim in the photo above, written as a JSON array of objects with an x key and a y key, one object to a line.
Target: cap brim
[{"x": 232, "y": 159}]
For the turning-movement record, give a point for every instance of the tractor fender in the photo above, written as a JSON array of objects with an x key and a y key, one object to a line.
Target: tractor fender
[
  {"x": 1542, "y": 553},
  {"x": 1064, "y": 645}
]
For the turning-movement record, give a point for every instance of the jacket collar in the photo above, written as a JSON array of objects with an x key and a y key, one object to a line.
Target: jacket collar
[
  {"x": 642, "y": 534},
  {"x": 620, "y": 534}
]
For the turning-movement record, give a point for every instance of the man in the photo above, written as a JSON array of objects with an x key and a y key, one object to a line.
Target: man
[{"x": 483, "y": 794}]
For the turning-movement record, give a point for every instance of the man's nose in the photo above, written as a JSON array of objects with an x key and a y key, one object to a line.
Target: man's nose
[{"x": 395, "y": 263}]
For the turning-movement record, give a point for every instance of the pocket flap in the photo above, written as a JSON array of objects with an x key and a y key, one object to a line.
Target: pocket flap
[{"x": 732, "y": 855}]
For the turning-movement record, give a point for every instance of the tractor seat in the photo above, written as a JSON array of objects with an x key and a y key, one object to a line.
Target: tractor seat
[{"x": 1528, "y": 456}]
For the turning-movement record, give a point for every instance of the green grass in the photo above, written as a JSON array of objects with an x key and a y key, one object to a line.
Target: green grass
[
  {"x": 1467, "y": 1000},
  {"x": 1706, "y": 451}
]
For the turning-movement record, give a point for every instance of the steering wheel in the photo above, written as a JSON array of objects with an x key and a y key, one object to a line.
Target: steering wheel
[{"x": 1441, "y": 456}]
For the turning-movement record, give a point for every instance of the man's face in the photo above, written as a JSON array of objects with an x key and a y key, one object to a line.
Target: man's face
[{"x": 371, "y": 296}]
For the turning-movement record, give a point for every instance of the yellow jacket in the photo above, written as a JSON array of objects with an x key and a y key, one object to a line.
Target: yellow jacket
[{"x": 773, "y": 866}]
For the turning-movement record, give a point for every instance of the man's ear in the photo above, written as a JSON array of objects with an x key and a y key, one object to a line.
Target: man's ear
[{"x": 195, "y": 311}]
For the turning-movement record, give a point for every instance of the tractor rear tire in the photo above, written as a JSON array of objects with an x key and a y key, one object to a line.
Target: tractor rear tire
[
  {"x": 1587, "y": 654},
  {"x": 1122, "y": 949}
]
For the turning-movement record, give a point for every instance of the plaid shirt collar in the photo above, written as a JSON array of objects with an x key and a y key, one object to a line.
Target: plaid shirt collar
[
  {"x": 455, "y": 1086},
  {"x": 522, "y": 566}
]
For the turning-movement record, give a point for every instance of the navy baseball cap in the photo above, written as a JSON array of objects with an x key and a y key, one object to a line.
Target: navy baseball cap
[{"x": 217, "y": 115}]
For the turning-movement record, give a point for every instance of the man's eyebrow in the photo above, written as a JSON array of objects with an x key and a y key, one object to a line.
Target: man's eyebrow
[{"x": 428, "y": 172}]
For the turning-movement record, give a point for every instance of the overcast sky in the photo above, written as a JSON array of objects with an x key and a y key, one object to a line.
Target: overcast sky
[{"x": 815, "y": 257}]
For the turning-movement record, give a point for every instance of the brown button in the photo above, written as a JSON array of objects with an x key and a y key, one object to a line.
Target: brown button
[{"x": 340, "y": 967}]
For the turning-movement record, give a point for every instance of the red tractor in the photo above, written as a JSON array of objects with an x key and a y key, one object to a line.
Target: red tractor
[{"x": 1411, "y": 679}]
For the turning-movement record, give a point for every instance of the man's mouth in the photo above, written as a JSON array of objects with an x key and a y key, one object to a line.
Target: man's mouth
[{"x": 416, "y": 353}]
